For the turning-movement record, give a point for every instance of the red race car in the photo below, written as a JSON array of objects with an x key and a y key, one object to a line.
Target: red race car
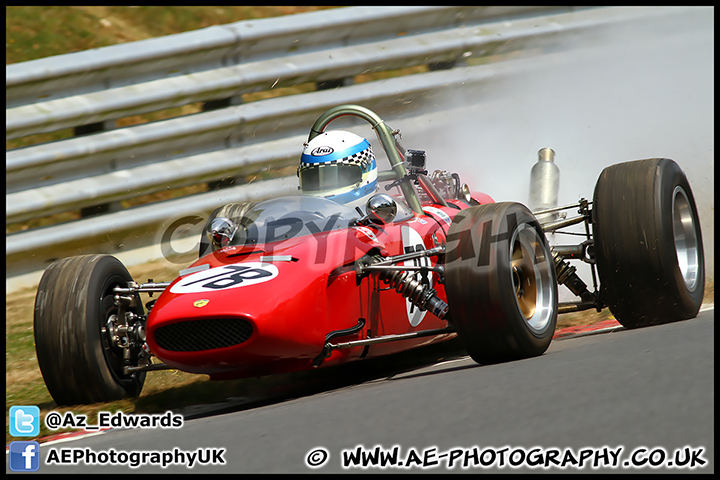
[{"x": 365, "y": 263}]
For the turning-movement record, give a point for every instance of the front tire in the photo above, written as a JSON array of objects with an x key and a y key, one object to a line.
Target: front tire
[
  {"x": 74, "y": 301},
  {"x": 648, "y": 243},
  {"x": 500, "y": 282}
]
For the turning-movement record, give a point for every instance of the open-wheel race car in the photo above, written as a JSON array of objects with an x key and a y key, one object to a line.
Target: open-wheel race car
[{"x": 367, "y": 262}]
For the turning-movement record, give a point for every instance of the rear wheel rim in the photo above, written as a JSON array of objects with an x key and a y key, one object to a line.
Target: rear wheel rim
[
  {"x": 686, "y": 241},
  {"x": 532, "y": 278}
]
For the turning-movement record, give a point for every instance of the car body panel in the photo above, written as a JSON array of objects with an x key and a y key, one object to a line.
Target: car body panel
[{"x": 292, "y": 293}]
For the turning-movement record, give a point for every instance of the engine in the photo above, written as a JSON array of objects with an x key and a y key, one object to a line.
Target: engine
[{"x": 446, "y": 183}]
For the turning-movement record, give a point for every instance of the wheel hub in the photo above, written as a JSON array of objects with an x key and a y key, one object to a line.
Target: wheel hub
[{"x": 531, "y": 278}]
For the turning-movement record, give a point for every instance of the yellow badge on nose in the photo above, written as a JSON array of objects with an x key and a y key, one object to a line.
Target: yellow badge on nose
[{"x": 201, "y": 303}]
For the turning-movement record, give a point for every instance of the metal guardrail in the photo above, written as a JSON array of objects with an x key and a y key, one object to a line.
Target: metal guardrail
[
  {"x": 222, "y": 63},
  {"x": 232, "y": 44}
]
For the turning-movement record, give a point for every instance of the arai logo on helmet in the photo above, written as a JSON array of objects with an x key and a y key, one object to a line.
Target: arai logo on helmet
[{"x": 320, "y": 151}]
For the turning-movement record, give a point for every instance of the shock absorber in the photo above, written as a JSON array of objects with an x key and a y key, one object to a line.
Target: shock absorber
[
  {"x": 421, "y": 295},
  {"x": 566, "y": 276}
]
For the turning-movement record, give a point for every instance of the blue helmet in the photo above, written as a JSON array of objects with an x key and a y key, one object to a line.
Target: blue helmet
[{"x": 339, "y": 166}]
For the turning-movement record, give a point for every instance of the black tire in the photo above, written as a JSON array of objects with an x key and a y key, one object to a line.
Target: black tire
[
  {"x": 500, "y": 282},
  {"x": 648, "y": 244},
  {"x": 233, "y": 211},
  {"x": 73, "y": 303}
]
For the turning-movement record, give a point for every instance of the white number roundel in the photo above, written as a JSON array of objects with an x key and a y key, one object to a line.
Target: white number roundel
[
  {"x": 413, "y": 242},
  {"x": 227, "y": 276}
]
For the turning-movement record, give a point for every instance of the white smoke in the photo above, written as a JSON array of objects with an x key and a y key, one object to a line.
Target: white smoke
[{"x": 642, "y": 89}]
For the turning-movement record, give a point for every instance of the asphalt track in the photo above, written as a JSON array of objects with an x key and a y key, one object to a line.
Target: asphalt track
[{"x": 642, "y": 394}]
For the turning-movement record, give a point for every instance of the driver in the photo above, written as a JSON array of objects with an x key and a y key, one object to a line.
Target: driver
[{"x": 340, "y": 166}]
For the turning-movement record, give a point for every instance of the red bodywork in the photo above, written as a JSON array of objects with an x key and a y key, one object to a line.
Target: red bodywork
[{"x": 289, "y": 295}]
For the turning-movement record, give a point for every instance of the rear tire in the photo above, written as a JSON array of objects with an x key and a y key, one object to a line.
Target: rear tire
[
  {"x": 500, "y": 282},
  {"x": 648, "y": 243},
  {"x": 74, "y": 301}
]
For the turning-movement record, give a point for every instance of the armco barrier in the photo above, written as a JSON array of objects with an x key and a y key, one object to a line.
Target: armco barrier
[{"x": 220, "y": 64}]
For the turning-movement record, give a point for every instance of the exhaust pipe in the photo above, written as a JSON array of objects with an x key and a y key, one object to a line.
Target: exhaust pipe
[{"x": 544, "y": 185}]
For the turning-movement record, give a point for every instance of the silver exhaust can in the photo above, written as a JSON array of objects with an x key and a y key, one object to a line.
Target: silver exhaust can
[{"x": 544, "y": 185}]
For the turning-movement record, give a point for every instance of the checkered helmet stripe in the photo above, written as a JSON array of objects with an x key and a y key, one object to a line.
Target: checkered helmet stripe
[{"x": 363, "y": 158}]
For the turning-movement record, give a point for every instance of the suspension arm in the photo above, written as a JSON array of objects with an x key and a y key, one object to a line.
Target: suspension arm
[
  {"x": 411, "y": 256},
  {"x": 150, "y": 287}
]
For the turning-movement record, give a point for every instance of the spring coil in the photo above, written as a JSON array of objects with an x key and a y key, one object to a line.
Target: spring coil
[
  {"x": 405, "y": 284},
  {"x": 422, "y": 296}
]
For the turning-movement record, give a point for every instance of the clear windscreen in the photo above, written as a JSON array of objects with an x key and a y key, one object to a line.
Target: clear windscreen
[{"x": 289, "y": 217}]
